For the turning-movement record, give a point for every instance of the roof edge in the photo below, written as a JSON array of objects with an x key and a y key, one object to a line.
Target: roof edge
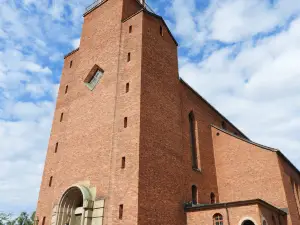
[
  {"x": 199, "y": 207},
  {"x": 213, "y": 108},
  {"x": 72, "y": 52}
]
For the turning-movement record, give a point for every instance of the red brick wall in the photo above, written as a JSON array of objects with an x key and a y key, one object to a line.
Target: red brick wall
[{"x": 91, "y": 137}]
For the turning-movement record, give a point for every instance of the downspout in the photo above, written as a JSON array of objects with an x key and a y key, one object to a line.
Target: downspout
[{"x": 228, "y": 220}]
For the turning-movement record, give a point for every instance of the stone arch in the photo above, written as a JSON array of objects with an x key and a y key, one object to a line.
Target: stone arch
[
  {"x": 72, "y": 205},
  {"x": 248, "y": 221}
]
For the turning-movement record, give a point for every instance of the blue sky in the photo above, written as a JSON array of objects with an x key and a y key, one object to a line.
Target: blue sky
[{"x": 241, "y": 55}]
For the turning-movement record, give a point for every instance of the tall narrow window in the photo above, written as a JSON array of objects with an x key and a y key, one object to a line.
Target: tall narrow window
[
  {"x": 125, "y": 122},
  {"x": 193, "y": 141},
  {"x": 128, "y": 57},
  {"x": 56, "y": 147},
  {"x": 66, "y": 89},
  {"x": 44, "y": 220},
  {"x": 123, "y": 162},
  {"x": 121, "y": 211},
  {"x": 61, "y": 117},
  {"x": 71, "y": 64},
  {"x": 130, "y": 29},
  {"x": 194, "y": 194},
  {"x": 50, "y": 181},
  {"x": 127, "y": 87},
  {"x": 224, "y": 125},
  {"x": 218, "y": 219},
  {"x": 161, "y": 31},
  {"x": 212, "y": 198}
]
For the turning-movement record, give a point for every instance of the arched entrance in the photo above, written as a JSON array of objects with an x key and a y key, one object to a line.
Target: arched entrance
[
  {"x": 248, "y": 222},
  {"x": 71, "y": 208}
]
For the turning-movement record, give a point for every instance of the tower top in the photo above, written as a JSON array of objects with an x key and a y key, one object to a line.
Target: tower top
[{"x": 98, "y": 2}]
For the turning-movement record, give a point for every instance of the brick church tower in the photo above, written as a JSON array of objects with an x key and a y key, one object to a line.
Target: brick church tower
[{"x": 132, "y": 144}]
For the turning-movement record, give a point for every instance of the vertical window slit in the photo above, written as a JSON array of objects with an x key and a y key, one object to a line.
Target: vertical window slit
[
  {"x": 194, "y": 194},
  {"x": 71, "y": 64},
  {"x": 56, "y": 147},
  {"x": 127, "y": 87},
  {"x": 66, "y": 89},
  {"x": 50, "y": 181},
  {"x": 125, "y": 122},
  {"x": 193, "y": 141},
  {"x": 61, "y": 117},
  {"x": 121, "y": 211},
  {"x": 130, "y": 29},
  {"x": 161, "y": 31},
  {"x": 123, "y": 162},
  {"x": 128, "y": 57},
  {"x": 44, "y": 220}
]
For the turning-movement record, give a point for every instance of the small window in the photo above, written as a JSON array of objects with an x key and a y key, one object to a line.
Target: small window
[
  {"x": 44, "y": 220},
  {"x": 91, "y": 84},
  {"x": 71, "y": 64},
  {"x": 130, "y": 29},
  {"x": 218, "y": 219},
  {"x": 66, "y": 89},
  {"x": 56, "y": 147},
  {"x": 61, "y": 117},
  {"x": 194, "y": 194},
  {"x": 125, "y": 122},
  {"x": 224, "y": 126},
  {"x": 123, "y": 162},
  {"x": 193, "y": 140},
  {"x": 50, "y": 181},
  {"x": 127, "y": 87},
  {"x": 161, "y": 31},
  {"x": 121, "y": 211},
  {"x": 212, "y": 198},
  {"x": 128, "y": 57}
]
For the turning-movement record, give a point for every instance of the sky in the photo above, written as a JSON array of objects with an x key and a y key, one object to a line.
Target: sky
[{"x": 241, "y": 55}]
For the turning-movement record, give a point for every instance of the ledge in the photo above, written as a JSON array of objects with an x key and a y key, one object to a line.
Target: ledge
[{"x": 70, "y": 53}]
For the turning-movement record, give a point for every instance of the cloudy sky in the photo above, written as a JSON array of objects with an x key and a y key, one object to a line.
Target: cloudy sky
[{"x": 241, "y": 55}]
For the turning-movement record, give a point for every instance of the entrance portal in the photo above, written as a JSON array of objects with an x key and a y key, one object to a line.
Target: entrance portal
[{"x": 248, "y": 222}]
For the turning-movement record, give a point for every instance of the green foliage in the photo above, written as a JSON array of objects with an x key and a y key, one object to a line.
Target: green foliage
[{"x": 22, "y": 219}]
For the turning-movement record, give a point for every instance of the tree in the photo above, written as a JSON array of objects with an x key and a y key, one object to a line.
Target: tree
[{"x": 4, "y": 218}]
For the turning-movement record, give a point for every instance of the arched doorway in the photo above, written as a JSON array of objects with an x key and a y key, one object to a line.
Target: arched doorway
[
  {"x": 71, "y": 208},
  {"x": 248, "y": 222}
]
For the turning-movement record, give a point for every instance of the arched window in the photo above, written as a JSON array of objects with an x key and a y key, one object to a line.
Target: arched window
[
  {"x": 194, "y": 194},
  {"x": 193, "y": 140},
  {"x": 218, "y": 219},
  {"x": 212, "y": 198}
]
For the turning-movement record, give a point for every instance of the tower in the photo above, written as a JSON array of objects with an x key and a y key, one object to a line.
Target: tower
[{"x": 112, "y": 149}]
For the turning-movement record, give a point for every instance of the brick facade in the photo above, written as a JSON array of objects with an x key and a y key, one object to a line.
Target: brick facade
[{"x": 89, "y": 147}]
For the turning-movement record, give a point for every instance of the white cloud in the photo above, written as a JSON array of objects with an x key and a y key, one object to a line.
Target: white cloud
[{"x": 76, "y": 43}]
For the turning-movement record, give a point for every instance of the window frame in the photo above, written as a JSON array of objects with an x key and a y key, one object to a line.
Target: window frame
[{"x": 218, "y": 219}]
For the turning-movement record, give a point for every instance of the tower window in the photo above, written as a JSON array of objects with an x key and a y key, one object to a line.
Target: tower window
[
  {"x": 66, "y": 89},
  {"x": 121, "y": 211},
  {"x": 123, "y": 162},
  {"x": 71, "y": 64},
  {"x": 212, "y": 198},
  {"x": 194, "y": 194},
  {"x": 193, "y": 140},
  {"x": 56, "y": 147},
  {"x": 91, "y": 84},
  {"x": 128, "y": 57},
  {"x": 218, "y": 219},
  {"x": 130, "y": 29},
  {"x": 161, "y": 31},
  {"x": 50, "y": 181},
  {"x": 127, "y": 87},
  {"x": 61, "y": 117},
  {"x": 224, "y": 126},
  {"x": 125, "y": 122},
  {"x": 44, "y": 220}
]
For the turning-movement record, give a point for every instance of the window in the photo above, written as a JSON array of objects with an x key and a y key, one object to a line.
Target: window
[
  {"x": 50, "y": 181},
  {"x": 61, "y": 117},
  {"x": 125, "y": 122},
  {"x": 127, "y": 87},
  {"x": 123, "y": 162},
  {"x": 161, "y": 31},
  {"x": 130, "y": 29},
  {"x": 44, "y": 220},
  {"x": 93, "y": 81},
  {"x": 194, "y": 194},
  {"x": 218, "y": 219},
  {"x": 56, "y": 147},
  {"x": 212, "y": 198},
  {"x": 128, "y": 57},
  {"x": 193, "y": 140},
  {"x": 121, "y": 211},
  {"x": 66, "y": 89},
  {"x": 224, "y": 125},
  {"x": 71, "y": 64}
]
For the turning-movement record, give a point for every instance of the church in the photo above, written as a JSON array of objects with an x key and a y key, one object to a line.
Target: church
[{"x": 133, "y": 144}]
